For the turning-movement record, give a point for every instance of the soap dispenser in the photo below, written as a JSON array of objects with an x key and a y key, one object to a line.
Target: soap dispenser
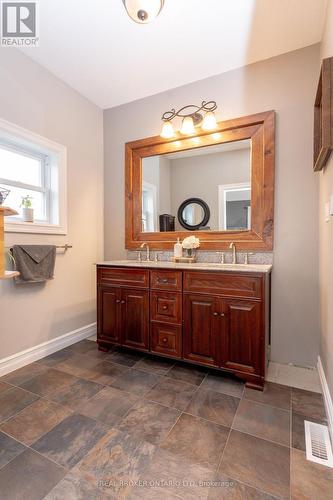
[{"x": 178, "y": 250}]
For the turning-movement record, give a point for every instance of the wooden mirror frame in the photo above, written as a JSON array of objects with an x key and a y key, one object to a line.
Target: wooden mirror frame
[{"x": 260, "y": 128}]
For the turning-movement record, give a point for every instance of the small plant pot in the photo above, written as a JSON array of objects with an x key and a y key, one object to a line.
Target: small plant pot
[{"x": 28, "y": 214}]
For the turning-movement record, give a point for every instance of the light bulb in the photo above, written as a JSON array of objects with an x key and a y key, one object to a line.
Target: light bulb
[
  {"x": 187, "y": 126},
  {"x": 143, "y": 11},
  {"x": 167, "y": 130},
  {"x": 209, "y": 121}
]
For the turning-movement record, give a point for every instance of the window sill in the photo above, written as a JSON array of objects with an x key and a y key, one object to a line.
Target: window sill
[{"x": 34, "y": 228}]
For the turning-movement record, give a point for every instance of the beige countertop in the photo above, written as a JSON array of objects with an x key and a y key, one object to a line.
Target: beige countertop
[{"x": 198, "y": 266}]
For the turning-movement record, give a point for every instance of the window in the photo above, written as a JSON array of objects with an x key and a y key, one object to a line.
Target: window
[
  {"x": 235, "y": 207},
  {"x": 33, "y": 166}
]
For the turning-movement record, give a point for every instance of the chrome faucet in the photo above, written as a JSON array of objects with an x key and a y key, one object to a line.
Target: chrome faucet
[
  {"x": 148, "y": 251},
  {"x": 234, "y": 255}
]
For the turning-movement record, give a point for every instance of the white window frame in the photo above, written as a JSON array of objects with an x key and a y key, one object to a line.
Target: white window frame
[
  {"x": 22, "y": 139},
  {"x": 223, "y": 189}
]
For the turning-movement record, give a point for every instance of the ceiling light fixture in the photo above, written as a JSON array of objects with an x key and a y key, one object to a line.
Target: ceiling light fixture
[
  {"x": 192, "y": 116},
  {"x": 143, "y": 11}
]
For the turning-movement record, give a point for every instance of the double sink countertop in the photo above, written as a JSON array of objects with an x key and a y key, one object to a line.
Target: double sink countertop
[{"x": 197, "y": 266}]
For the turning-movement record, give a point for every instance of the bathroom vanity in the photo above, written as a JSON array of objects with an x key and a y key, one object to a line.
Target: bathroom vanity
[{"x": 215, "y": 315}]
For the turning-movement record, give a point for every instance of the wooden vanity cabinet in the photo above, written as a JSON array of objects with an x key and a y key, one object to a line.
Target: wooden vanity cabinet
[
  {"x": 213, "y": 318},
  {"x": 123, "y": 313}
]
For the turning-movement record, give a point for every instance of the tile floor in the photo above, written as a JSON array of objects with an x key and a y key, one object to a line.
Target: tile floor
[{"x": 81, "y": 424}]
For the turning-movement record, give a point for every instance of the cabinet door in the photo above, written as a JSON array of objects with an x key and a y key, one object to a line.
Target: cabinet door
[
  {"x": 202, "y": 329},
  {"x": 108, "y": 305},
  {"x": 243, "y": 336},
  {"x": 135, "y": 318}
]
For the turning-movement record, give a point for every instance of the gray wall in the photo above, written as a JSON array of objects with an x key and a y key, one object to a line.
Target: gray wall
[
  {"x": 326, "y": 237},
  {"x": 33, "y": 98},
  {"x": 287, "y": 84}
]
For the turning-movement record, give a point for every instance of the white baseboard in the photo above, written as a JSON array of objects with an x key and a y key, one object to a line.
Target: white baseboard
[
  {"x": 28, "y": 356},
  {"x": 327, "y": 397}
]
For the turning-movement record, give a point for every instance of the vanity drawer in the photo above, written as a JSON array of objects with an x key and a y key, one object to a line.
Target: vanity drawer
[
  {"x": 131, "y": 278},
  {"x": 166, "y": 306},
  {"x": 166, "y": 339},
  {"x": 166, "y": 280},
  {"x": 229, "y": 284}
]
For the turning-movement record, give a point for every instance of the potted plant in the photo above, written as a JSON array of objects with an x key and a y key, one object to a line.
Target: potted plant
[
  {"x": 27, "y": 210},
  {"x": 190, "y": 244}
]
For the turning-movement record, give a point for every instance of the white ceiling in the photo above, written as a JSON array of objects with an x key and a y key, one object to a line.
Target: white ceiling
[{"x": 97, "y": 49}]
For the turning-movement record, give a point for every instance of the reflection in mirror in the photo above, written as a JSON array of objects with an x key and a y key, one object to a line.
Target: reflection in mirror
[
  {"x": 220, "y": 175},
  {"x": 194, "y": 214}
]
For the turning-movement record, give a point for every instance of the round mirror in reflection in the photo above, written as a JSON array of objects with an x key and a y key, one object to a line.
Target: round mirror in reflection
[{"x": 193, "y": 214}]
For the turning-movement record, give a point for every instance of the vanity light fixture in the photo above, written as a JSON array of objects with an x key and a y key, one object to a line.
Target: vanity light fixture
[
  {"x": 143, "y": 11},
  {"x": 192, "y": 116}
]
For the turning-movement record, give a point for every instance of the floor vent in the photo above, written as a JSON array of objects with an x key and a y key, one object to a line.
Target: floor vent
[{"x": 318, "y": 444}]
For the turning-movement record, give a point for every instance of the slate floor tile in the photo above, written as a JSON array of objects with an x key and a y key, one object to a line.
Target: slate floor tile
[
  {"x": 83, "y": 347},
  {"x": 155, "y": 365},
  {"x": 29, "y": 477},
  {"x": 55, "y": 358},
  {"x": 14, "y": 400},
  {"x": 75, "y": 486},
  {"x": 68, "y": 442},
  {"x": 35, "y": 420},
  {"x": 273, "y": 394},
  {"x": 187, "y": 373},
  {"x": 149, "y": 421},
  {"x": 108, "y": 406},
  {"x": 106, "y": 372},
  {"x": 309, "y": 404},
  {"x": 224, "y": 487},
  {"x": 125, "y": 358},
  {"x": 223, "y": 383},
  {"x": 21, "y": 375},
  {"x": 214, "y": 406},
  {"x": 117, "y": 461},
  {"x": 258, "y": 463},
  {"x": 48, "y": 382},
  {"x": 171, "y": 477},
  {"x": 263, "y": 421},
  {"x": 308, "y": 479},
  {"x": 136, "y": 381},
  {"x": 172, "y": 393},
  {"x": 197, "y": 440},
  {"x": 78, "y": 365},
  {"x": 9, "y": 449},
  {"x": 4, "y": 386},
  {"x": 74, "y": 395}
]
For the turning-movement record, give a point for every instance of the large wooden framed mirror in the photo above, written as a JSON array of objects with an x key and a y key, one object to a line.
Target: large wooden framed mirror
[{"x": 170, "y": 183}]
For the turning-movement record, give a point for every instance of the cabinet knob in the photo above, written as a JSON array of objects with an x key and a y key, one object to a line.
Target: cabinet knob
[
  {"x": 118, "y": 301},
  {"x": 222, "y": 315},
  {"x": 165, "y": 308},
  {"x": 165, "y": 340},
  {"x": 122, "y": 302},
  {"x": 216, "y": 314}
]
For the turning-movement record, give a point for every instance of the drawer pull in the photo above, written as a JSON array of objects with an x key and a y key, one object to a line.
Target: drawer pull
[
  {"x": 165, "y": 340},
  {"x": 164, "y": 280},
  {"x": 165, "y": 308}
]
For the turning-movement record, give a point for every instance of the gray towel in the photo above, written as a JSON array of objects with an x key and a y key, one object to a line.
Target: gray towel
[{"x": 35, "y": 263}]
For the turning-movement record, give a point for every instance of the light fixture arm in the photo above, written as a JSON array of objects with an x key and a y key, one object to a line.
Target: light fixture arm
[{"x": 194, "y": 113}]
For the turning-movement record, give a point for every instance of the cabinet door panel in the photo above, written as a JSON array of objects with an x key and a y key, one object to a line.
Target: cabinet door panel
[
  {"x": 108, "y": 314},
  {"x": 166, "y": 339},
  {"x": 201, "y": 329},
  {"x": 166, "y": 307},
  {"x": 243, "y": 336},
  {"x": 135, "y": 318}
]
